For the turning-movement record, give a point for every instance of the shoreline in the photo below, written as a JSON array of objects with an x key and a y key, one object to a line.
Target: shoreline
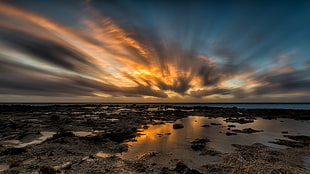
[{"x": 70, "y": 149}]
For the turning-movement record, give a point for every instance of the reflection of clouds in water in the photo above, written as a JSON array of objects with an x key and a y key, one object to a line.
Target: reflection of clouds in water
[{"x": 179, "y": 140}]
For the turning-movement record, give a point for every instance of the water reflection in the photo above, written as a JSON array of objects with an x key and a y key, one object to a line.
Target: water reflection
[{"x": 177, "y": 144}]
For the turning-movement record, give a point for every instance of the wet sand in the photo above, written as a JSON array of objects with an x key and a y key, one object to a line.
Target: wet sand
[{"x": 96, "y": 139}]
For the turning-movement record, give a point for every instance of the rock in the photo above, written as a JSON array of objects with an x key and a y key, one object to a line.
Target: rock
[
  {"x": 216, "y": 168},
  {"x": 210, "y": 152},
  {"x": 216, "y": 124},
  {"x": 180, "y": 167},
  {"x": 239, "y": 120},
  {"x": 121, "y": 134},
  {"x": 299, "y": 141},
  {"x": 230, "y": 133},
  {"x": 15, "y": 164},
  {"x": 247, "y": 130},
  {"x": 168, "y": 133},
  {"x": 289, "y": 143},
  {"x": 301, "y": 138},
  {"x": 13, "y": 151},
  {"x": 139, "y": 167},
  {"x": 284, "y": 132},
  {"x": 199, "y": 144},
  {"x": 205, "y": 125},
  {"x": 231, "y": 125},
  {"x": 191, "y": 171},
  {"x": 178, "y": 126},
  {"x": 47, "y": 170},
  {"x": 281, "y": 171}
]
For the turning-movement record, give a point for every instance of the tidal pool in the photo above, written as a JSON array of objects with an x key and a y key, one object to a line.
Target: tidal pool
[
  {"x": 173, "y": 144},
  {"x": 19, "y": 144}
]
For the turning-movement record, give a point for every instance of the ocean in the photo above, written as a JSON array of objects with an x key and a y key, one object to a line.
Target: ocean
[{"x": 304, "y": 106}]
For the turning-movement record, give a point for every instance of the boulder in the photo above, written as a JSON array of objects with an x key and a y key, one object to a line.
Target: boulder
[{"x": 178, "y": 126}]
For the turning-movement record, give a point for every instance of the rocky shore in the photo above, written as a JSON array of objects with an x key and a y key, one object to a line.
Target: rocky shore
[{"x": 88, "y": 139}]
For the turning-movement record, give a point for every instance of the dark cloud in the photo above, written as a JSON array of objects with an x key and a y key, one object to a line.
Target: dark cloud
[
  {"x": 203, "y": 93},
  {"x": 62, "y": 55},
  {"x": 180, "y": 85},
  {"x": 284, "y": 83}
]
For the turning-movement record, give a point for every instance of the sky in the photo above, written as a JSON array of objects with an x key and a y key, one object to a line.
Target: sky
[{"x": 154, "y": 51}]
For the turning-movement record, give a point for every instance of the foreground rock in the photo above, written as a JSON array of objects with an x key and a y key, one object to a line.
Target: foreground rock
[
  {"x": 182, "y": 168},
  {"x": 258, "y": 158}
]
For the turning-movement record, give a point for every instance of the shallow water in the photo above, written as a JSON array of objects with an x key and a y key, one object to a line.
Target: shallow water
[
  {"x": 83, "y": 134},
  {"x": 177, "y": 144},
  {"x": 19, "y": 144}
]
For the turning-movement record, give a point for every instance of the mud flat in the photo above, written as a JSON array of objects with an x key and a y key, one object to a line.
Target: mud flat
[{"x": 103, "y": 138}]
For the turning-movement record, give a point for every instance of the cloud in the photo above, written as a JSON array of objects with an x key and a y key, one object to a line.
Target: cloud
[
  {"x": 48, "y": 51},
  {"x": 284, "y": 83},
  {"x": 106, "y": 54}
]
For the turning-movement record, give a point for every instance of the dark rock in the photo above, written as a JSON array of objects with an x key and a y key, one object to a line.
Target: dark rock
[
  {"x": 13, "y": 151},
  {"x": 217, "y": 168},
  {"x": 239, "y": 120},
  {"x": 210, "y": 152},
  {"x": 289, "y": 143},
  {"x": 121, "y": 135},
  {"x": 205, "y": 125},
  {"x": 284, "y": 132},
  {"x": 180, "y": 167},
  {"x": 216, "y": 124},
  {"x": 281, "y": 171},
  {"x": 165, "y": 170},
  {"x": 299, "y": 141},
  {"x": 178, "y": 126},
  {"x": 247, "y": 130},
  {"x": 230, "y": 133},
  {"x": 191, "y": 171},
  {"x": 168, "y": 133},
  {"x": 301, "y": 138},
  {"x": 199, "y": 144},
  {"x": 231, "y": 125},
  {"x": 55, "y": 117},
  {"x": 15, "y": 164},
  {"x": 47, "y": 170},
  {"x": 139, "y": 167}
]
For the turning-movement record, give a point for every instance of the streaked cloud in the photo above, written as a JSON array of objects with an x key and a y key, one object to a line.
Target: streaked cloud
[{"x": 119, "y": 55}]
